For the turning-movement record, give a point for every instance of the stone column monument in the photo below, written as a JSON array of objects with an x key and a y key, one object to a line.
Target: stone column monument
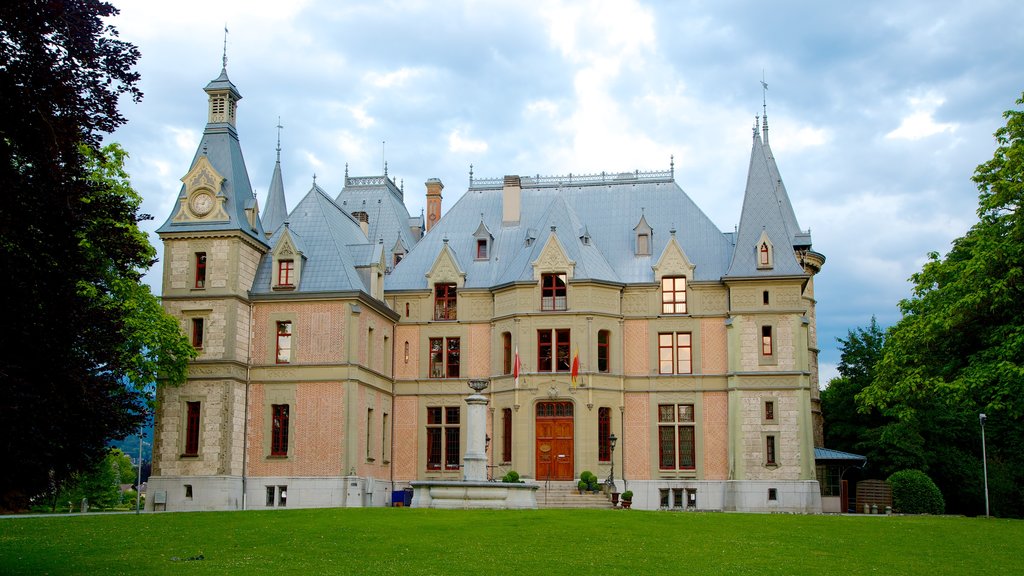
[{"x": 474, "y": 463}]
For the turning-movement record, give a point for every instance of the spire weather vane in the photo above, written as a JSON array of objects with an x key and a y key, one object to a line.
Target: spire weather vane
[
  {"x": 224, "y": 57},
  {"x": 279, "y": 128}
]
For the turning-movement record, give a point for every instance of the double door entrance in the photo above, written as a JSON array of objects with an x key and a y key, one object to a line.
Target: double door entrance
[{"x": 554, "y": 453}]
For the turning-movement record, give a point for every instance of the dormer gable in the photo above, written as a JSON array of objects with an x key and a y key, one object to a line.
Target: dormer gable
[
  {"x": 673, "y": 261},
  {"x": 482, "y": 242},
  {"x": 446, "y": 269},
  {"x": 288, "y": 259},
  {"x": 398, "y": 252},
  {"x": 764, "y": 252},
  {"x": 553, "y": 259},
  {"x": 203, "y": 197},
  {"x": 644, "y": 237}
]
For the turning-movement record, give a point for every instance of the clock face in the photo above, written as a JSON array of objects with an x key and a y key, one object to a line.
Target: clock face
[{"x": 201, "y": 203}]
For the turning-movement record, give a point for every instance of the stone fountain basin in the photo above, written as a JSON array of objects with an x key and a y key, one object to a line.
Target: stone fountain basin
[{"x": 452, "y": 494}]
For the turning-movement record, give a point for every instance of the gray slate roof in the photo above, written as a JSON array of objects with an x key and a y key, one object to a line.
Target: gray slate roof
[
  {"x": 838, "y": 455},
  {"x": 766, "y": 207},
  {"x": 383, "y": 203},
  {"x": 220, "y": 145},
  {"x": 332, "y": 244},
  {"x": 607, "y": 207}
]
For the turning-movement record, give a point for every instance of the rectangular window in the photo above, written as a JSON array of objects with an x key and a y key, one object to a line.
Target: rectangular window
[
  {"x": 444, "y": 302},
  {"x": 197, "y": 333},
  {"x": 192, "y": 428},
  {"x": 769, "y": 410},
  {"x": 506, "y": 437},
  {"x": 643, "y": 245},
  {"x": 604, "y": 430},
  {"x": 506, "y": 352},
  {"x": 443, "y": 437},
  {"x": 284, "y": 342},
  {"x": 444, "y": 357},
  {"x": 552, "y": 292},
  {"x": 385, "y": 439},
  {"x": 481, "y": 249},
  {"x": 553, "y": 350},
  {"x": 200, "y": 269},
  {"x": 676, "y": 437},
  {"x": 766, "y": 340},
  {"x": 769, "y": 451},
  {"x": 369, "y": 434},
  {"x": 675, "y": 352},
  {"x": 673, "y": 295},
  {"x": 271, "y": 496},
  {"x": 285, "y": 272},
  {"x": 603, "y": 351},
  {"x": 282, "y": 495},
  {"x": 279, "y": 430}
]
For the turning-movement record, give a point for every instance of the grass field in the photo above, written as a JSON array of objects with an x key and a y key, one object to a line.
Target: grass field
[{"x": 539, "y": 542}]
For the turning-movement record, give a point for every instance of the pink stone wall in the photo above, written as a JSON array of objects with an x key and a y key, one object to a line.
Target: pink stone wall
[
  {"x": 407, "y": 370},
  {"x": 405, "y": 437},
  {"x": 317, "y": 428},
  {"x": 714, "y": 346},
  {"x": 636, "y": 347},
  {"x": 636, "y": 425},
  {"x": 716, "y": 435},
  {"x": 479, "y": 348},
  {"x": 319, "y": 329}
]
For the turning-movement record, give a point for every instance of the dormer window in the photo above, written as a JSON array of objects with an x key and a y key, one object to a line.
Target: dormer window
[
  {"x": 553, "y": 292},
  {"x": 765, "y": 253},
  {"x": 285, "y": 272},
  {"x": 481, "y": 249},
  {"x": 483, "y": 240},
  {"x": 644, "y": 233}
]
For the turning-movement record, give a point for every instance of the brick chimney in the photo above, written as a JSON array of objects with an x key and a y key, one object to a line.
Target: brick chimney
[{"x": 434, "y": 187}]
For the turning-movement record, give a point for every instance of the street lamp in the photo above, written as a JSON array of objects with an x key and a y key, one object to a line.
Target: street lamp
[
  {"x": 610, "y": 482},
  {"x": 984, "y": 459}
]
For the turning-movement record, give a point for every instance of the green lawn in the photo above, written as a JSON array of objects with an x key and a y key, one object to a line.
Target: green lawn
[{"x": 534, "y": 543}]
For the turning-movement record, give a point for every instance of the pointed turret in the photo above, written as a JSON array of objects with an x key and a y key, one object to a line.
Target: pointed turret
[
  {"x": 768, "y": 232},
  {"x": 277, "y": 208}
]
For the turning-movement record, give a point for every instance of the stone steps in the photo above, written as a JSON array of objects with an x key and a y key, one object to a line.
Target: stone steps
[{"x": 565, "y": 495}]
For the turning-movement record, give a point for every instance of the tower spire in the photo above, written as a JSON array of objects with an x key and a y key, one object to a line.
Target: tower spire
[
  {"x": 224, "y": 57},
  {"x": 279, "y": 128},
  {"x": 764, "y": 105}
]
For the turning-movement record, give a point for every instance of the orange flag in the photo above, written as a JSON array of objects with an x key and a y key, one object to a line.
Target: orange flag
[{"x": 515, "y": 368}]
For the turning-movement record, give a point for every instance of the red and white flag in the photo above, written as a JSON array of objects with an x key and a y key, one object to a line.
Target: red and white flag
[
  {"x": 575, "y": 367},
  {"x": 515, "y": 368}
]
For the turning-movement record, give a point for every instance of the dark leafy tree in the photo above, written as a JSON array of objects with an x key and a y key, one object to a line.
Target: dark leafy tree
[
  {"x": 77, "y": 342},
  {"x": 959, "y": 348}
]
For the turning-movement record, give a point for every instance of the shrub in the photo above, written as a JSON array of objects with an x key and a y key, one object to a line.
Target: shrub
[
  {"x": 512, "y": 477},
  {"x": 588, "y": 477},
  {"x": 627, "y": 495},
  {"x": 913, "y": 492},
  {"x": 582, "y": 485}
]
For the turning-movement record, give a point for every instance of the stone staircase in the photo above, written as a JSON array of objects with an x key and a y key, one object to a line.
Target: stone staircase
[{"x": 556, "y": 494}]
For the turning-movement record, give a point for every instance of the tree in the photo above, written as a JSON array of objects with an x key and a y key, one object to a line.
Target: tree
[
  {"x": 82, "y": 333},
  {"x": 99, "y": 484},
  {"x": 958, "y": 350}
]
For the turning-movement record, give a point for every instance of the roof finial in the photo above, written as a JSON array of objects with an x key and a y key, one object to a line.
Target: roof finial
[
  {"x": 672, "y": 166},
  {"x": 764, "y": 105},
  {"x": 279, "y": 128},
  {"x": 346, "y": 173},
  {"x": 314, "y": 179},
  {"x": 224, "y": 58},
  {"x": 385, "y": 170},
  {"x": 470, "y": 174},
  {"x": 382, "y": 160},
  {"x": 756, "y": 119}
]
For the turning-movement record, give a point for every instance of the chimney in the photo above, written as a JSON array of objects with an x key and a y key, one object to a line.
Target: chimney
[
  {"x": 434, "y": 187},
  {"x": 510, "y": 196}
]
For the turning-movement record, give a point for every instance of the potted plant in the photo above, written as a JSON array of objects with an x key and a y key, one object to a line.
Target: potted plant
[
  {"x": 627, "y": 498},
  {"x": 582, "y": 486}
]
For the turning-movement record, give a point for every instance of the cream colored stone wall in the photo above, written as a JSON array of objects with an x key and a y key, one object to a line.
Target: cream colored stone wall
[
  {"x": 784, "y": 340},
  {"x": 219, "y": 412},
  {"x": 786, "y": 429}
]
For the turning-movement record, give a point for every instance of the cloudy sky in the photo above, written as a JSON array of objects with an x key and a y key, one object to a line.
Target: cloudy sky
[{"x": 878, "y": 111}]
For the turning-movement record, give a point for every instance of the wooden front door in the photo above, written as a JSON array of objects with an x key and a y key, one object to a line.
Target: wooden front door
[{"x": 554, "y": 441}]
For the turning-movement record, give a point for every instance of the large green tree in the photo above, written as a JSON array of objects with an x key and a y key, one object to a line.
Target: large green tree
[
  {"x": 83, "y": 335},
  {"x": 958, "y": 350}
]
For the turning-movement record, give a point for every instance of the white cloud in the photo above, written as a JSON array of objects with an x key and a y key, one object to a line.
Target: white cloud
[
  {"x": 458, "y": 143},
  {"x": 798, "y": 138},
  {"x": 920, "y": 123},
  {"x": 396, "y": 79},
  {"x": 361, "y": 117}
]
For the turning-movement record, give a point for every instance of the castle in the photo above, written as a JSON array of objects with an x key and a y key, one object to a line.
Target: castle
[{"x": 336, "y": 339}]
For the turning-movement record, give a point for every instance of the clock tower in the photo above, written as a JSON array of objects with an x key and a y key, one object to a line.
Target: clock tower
[{"x": 213, "y": 242}]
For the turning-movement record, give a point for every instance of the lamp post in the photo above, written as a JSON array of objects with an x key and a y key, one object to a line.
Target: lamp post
[
  {"x": 610, "y": 482},
  {"x": 984, "y": 459}
]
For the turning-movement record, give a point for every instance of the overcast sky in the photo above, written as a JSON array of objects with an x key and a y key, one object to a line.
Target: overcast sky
[{"x": 878, "y": 111}]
